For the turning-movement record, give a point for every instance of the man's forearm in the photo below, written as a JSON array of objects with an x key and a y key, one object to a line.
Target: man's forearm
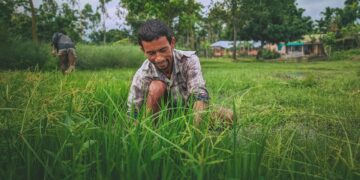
[
  {"x": 199, "y": 107},
  {"x": 54, "y": 51}
]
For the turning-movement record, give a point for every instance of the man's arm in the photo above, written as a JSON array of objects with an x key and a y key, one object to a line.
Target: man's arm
[
  {"x": 199, "y": 107},
  {"x": 54, "y": 50},
  {"x": 196, "y": 86},
  {"x": 138, "y": 89}
]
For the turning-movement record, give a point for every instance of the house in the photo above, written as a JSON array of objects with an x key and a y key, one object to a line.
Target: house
[
  {"x": 225, "y": 48},
  {"x": 348, "y": 42},
  {"x": 309, "y": 46},
  {"x": 221, "y": 48}
]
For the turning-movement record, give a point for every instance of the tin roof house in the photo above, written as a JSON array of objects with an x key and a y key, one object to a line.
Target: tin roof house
[
  {"x": 225, "y": 48},
  {"x": 309, "y": 46}
]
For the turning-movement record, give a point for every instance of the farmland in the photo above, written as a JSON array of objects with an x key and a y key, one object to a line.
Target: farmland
[{"x": 293, "y": 121}]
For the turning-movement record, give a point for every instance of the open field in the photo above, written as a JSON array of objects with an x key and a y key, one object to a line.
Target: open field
[{"x": 294, "y": 121}]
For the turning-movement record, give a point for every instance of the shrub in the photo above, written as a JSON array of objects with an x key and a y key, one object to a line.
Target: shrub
[
  {"x": 23, "y": 55},
  {"x": 267, "y": 54},
  {"x": 345, "y": 55},
  {"x": 108, "y": 56}
]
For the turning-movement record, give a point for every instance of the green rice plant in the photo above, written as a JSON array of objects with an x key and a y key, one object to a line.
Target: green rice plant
[
  {"x": 76, "y": 127},
  {"x": 108, "y": 56},
  {"x": 23, "y": 55}
]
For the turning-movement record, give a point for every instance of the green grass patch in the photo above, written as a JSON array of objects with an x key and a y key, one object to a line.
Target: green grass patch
[
  {"x": 294, "y": 121},
  {"x": 109, "y": 56}
]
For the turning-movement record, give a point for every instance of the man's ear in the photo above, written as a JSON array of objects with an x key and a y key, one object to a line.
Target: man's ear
[
  {"x": 173, "y": 42},
  {"x": 141, "y": 46}
]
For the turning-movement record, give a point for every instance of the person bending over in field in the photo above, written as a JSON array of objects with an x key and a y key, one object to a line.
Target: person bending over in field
[
  {"x": 167, "y": 74},
  {"x": 64, "y": 47}
]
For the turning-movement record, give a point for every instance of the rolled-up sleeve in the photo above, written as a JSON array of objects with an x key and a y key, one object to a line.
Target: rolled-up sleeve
[
  {"x": 137, "y": 93},
  {"x": 195, "y": 80}
]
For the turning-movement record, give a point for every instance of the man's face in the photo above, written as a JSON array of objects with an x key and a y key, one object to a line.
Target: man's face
[{"x": 160, "y": 53}]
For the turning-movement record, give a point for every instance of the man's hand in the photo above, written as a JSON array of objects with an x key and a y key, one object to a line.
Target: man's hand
[
  {"x": 222, "y": 114},
  {"x": 53, "y": 52},
  {"x": 199, "y": 107}
]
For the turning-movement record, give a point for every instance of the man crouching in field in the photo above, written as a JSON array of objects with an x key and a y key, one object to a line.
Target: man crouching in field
[
  {"x": 167, "y": 74},
  {"x": 64, "y": 47}
]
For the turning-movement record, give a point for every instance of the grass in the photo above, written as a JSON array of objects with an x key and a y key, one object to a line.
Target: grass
[
  {"x": 294, "y": 121},
  {"x": 108, "y": 56},
  {"x": 19, "y": 55}
]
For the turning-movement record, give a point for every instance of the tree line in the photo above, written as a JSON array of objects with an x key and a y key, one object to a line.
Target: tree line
[{"x": 267, "y": 21}]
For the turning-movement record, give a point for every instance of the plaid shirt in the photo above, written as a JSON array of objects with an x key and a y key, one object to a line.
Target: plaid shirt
[{"x": 186, "y": 81}]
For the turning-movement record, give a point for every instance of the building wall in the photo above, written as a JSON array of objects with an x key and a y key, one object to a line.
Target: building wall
[{"x": 220, "y": 52}]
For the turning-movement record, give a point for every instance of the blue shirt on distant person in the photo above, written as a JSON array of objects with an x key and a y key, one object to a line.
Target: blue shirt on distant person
[{"x": 62, "y": 41}]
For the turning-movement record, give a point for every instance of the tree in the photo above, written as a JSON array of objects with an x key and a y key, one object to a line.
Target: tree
[
  {"x": 181, "y": 16},
  {"x": 52, "y": 18},
  {"x": 188, "y": 24},
  {"x": 234, "y": 6},
  {"x": 89, "y": 19},
  {"x": 105, "y": 15},
  {"x": 350, "y": 13},
  {"x": 216, "y": 22},
  {"x": 48, "y": 16},
  {"x": 328, "y": 21},
  {"x": 33, "y": 22},
  {"x": 274, "y": 21},
  {"x": 14, "y": 20},
  {"x": 334, "y": 19},
  {"x": 68, "y": 20},
  {"x": 224, "y": 20},
  {"x": 112, "y": 35}
]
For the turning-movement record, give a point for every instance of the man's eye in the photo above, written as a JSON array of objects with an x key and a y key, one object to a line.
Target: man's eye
[
  {"x": 151, "y": 53},
  {"x": 163, "y": 50}
]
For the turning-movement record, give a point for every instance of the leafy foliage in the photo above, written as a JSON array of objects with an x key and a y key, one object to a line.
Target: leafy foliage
[
  {"x": 112, "y": 35},
  {"x": 267, "y": 54},
  {"x": 109, "y": 56},
  {"x": 274, "y": 21},
  {"x": 293, "y": 120},
  {"x": 23, "y": 55},
  {"x": 182, "y": 16}
]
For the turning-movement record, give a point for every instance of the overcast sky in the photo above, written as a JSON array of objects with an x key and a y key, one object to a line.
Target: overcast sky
[{"x": 312, "y": 8}]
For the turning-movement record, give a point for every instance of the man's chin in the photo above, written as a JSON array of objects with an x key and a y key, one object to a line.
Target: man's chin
[{"x": 163, "y": 67}]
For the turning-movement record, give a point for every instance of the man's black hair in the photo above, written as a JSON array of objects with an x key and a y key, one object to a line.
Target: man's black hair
[{"x": 152, "y": 30}]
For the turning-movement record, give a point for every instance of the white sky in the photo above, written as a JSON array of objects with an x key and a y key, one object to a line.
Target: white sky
[{"x": 312, "y": 8}]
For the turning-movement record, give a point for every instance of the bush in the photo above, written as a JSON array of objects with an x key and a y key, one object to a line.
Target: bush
[
  {"x": 108, "y": 56},
  {"x": 17, "y": 53},
  {"x": 267, "y": 54},
  {"x": 345, "y": 54},
  {"x": 23, "y": 55}
]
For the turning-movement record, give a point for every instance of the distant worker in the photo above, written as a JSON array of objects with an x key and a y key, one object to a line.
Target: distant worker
[{"x": 64, "y": 47}]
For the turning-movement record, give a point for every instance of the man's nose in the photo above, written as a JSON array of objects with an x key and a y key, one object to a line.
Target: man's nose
[{"x": 158, "y": 57}]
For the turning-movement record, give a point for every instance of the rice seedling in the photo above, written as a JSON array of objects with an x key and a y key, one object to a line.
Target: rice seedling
[{"x": 292, "y": 121}]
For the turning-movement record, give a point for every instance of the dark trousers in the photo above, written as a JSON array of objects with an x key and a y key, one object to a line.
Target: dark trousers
[{"x": 67, "y": 58}]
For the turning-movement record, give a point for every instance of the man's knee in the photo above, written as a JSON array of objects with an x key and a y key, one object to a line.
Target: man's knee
[{"x": 157, "y": 89}]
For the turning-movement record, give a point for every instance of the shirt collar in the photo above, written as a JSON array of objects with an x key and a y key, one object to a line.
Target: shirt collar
[{"x": 178, "y": 56}]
